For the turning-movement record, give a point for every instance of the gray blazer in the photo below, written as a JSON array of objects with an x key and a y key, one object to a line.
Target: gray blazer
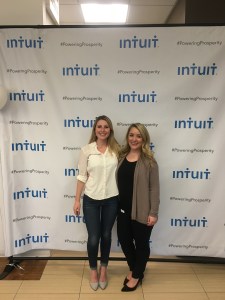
[{"x": 145, "y": 201}]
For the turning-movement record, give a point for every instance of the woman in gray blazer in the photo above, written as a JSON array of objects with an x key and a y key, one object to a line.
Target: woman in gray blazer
[{"x": 138, "y": 184}]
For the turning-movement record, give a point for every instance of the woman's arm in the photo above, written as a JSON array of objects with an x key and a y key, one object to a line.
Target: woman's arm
[
  {"x": 79, "y": 190},
  {"x": 154, "y": 190}
]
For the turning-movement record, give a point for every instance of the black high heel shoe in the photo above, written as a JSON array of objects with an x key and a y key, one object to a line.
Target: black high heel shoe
[
  {"x": 131, "y": 289},
  {"x": 126, "y": 280}
]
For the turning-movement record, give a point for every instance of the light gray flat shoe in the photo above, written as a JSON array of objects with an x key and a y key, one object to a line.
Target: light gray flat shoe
[
  {"x": 94, "y": 285},
  {"x": 103, "y": 284}
]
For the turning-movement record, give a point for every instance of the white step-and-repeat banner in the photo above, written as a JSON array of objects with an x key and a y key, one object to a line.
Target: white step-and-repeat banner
[{"x": 58, "y": 80}]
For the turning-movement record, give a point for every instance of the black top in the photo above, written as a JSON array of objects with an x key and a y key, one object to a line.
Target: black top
[{"x": 125, "y": 185}]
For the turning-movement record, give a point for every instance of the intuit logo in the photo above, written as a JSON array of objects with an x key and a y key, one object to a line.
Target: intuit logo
[
  {"x": 136, "y": 42},
  {"x": 31, "y": 239},
  {"x": 194, "y": 124},
  {"x": 135, "y": 97},
  {"x": 25, "y": 43},
  {"x": 27, "y": 146},
  {"x": 81, "y": 71},
  {"x": 71, "y": 172},
  {"x": 30, "y": 97},
  {"x": 74, "y": 219},
  {"x": 197, "y": 70},
  {"x": 185, "y": 222},
  {"x": 28, "y": 193},
  {"x": 189, "y": 174},
  {"x": 152, "y": 146},
  {"x": 78, "y": 123}
]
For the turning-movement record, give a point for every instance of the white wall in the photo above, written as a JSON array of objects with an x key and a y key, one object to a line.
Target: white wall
[
  {"x": 24, "y": 12},
  {"x": 178, "y": 14}
]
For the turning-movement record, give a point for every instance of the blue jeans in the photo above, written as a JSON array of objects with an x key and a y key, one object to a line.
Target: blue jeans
[{"x": 99, "y": 217}]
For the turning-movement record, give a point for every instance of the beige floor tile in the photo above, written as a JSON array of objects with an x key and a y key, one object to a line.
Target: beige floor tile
[
  {"x": 69, "y": 280},
  {"x": 53, "y": 284},
  {"x": 216, "y": 296},
  {"x": 209, "y": 268},
  {"x": 7, "y": 296},
  {"x": 175, "y": 296},
  {"x": 116, "y": 275},
  {"x": 167, "y": 267},
  {"x": 114, "y": 287},
  {"x": 64, "y": 268},
  {"x": 212, "y": 282},
  {"x": 118, "y": 269},
  {"x": 66, "y": 262},
  {"x": 47, "y": 297},
  {"x": 121, "y": 296},
  {"x": 184, "y": 283},
  {"x": 9, "y": 287},
  {"x": 66, "y": 253}
]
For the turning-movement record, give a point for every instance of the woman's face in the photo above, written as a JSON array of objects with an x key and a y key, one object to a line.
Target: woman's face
[
  {"x": 102, "y": 130},
  {"x": 135, "y": 139}
]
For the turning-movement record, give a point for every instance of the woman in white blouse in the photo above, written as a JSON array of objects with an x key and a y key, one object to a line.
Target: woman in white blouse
[{"x": 97, "y": 166}]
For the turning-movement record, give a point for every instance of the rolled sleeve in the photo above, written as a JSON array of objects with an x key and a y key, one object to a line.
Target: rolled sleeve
[{"x": 82, "y": 166}]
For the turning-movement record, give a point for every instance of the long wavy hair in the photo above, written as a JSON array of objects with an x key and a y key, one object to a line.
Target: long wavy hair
[
  {"x": 145, "y": 149},
  {"x": 112, "y": 143}
]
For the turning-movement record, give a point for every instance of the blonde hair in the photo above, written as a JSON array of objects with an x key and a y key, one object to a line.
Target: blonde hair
[
  {"x": 113, "y": 145},
  {"x": 145, "y": 149}
]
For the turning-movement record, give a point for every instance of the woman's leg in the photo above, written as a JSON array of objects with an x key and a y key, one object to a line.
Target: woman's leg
[
  {"x": 91, "y": 209},
  {"x": 125, "y": 237},
  {"x": 142, "y": 235},
  {"x": 109, "y": 209}
]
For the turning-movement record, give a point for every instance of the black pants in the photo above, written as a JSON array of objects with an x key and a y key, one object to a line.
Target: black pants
[{"x": 134, "y": 239}]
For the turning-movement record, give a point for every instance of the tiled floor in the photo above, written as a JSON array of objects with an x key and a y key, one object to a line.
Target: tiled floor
[{"x": 68, "y": 280}]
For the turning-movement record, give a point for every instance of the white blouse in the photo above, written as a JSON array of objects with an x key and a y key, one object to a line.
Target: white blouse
[{"x": 97, "y": 171}]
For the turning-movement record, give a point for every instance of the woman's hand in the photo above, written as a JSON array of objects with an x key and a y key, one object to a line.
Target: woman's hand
[
  {"x": 152, "y": 220},
  {"x": 76, "y": 208}
]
